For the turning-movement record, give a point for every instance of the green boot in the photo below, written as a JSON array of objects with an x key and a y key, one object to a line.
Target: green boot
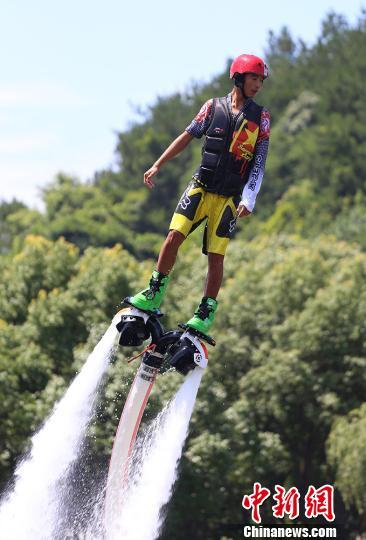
[
  {"x": 204, "y": 316},
  {"x": 150, "y": 299}
]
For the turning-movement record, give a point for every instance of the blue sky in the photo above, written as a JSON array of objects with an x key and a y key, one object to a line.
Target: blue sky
[{"x": 73, "y": 72}]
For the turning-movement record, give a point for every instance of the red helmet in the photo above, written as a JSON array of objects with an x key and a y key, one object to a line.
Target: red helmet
[{"x": 248, "y": 63}]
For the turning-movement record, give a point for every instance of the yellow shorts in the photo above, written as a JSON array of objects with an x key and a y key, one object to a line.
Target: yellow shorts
[{"x": 196, "y": 206}]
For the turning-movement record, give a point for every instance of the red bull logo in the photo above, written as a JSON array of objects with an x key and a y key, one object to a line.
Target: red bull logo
[{"x": 244, "y": 140}]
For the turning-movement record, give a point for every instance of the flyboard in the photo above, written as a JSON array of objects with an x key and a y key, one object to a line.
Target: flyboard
[{"x": 183, "y": 349}]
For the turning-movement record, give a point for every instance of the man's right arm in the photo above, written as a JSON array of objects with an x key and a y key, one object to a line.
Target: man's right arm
[
  {"x": 196, "y": 129},
  {"x": 173, "y": 149}
]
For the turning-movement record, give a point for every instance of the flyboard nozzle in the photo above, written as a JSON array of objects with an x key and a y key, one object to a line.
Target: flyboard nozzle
[
  {"x": 156, "y": 357},
  {"x": 188, "y": 353},
  {"x": 136, "y": 326},
  {"x": 183, "y": 350}
]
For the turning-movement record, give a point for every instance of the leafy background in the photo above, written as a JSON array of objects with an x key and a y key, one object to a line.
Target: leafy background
[{"x": 283, "y": 400}]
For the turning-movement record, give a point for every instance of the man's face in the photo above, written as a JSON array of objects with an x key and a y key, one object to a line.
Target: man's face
[{"x": 252, "y": 84}]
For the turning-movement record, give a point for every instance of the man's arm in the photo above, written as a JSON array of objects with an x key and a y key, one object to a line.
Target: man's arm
[
  {"x": 196, "y": 128},
  {"x": 253, "y": 185},
  {"x": 173, "y": 149}
]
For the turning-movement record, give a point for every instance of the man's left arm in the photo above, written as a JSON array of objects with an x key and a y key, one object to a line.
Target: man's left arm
[{"x": 254, "y": 183}]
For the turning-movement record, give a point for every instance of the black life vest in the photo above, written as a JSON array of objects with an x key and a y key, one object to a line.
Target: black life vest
[{"x": 229, "y": 148}]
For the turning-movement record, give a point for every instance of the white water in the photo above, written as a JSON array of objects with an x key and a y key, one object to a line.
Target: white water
[
  {"x": 32, "y": 510},
  {"x": 155, "y": 461}
]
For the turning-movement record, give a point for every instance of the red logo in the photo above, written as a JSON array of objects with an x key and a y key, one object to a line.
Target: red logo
[
  {"x": 318, "y": 502},
  {"x": 287, "y": 502},
  {"x": 255, "y": 500}
]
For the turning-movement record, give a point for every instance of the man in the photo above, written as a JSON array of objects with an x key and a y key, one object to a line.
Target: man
[{"x": 224, "y": 186}]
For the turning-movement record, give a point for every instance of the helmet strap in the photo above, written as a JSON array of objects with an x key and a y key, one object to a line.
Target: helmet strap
[{"x": 239, "y": 82}]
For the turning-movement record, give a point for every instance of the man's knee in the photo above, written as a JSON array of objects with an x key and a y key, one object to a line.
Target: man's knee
[
  {"x": 215, "y": 259},
  {"x": 175, "y": 238}
]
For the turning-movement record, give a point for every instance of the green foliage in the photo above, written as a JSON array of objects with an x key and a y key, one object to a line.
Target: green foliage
[
  {"x": 350, "y": 223},
  {"x": 290, "y": 360},
  {"x": 15, "y": 220},
  {"x": 283, "y": 398},
  {"x": 7, "y": 209},
  {"x": 35, "y": 268},
  {"x": 50, "y": 301},
  {"x": 346, "y": 452},
  {"x": 299, "y": 212}
]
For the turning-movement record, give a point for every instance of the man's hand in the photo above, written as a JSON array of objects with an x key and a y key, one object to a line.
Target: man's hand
[
  {"x": 173, "y": 149},
  {"x": 148, "y": 175},
  {"x": 242, "y": 210}
]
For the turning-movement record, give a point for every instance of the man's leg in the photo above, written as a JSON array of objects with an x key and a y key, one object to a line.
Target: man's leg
[
  {"x": 150, "y": 298},
  {"x": 214, "y": 274},
  {"x": 221, "y": 222},
  {"x": 169, "y": 250},
  {"x": 188, "y": 212},
  {"x": 205, "y": 313}
]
